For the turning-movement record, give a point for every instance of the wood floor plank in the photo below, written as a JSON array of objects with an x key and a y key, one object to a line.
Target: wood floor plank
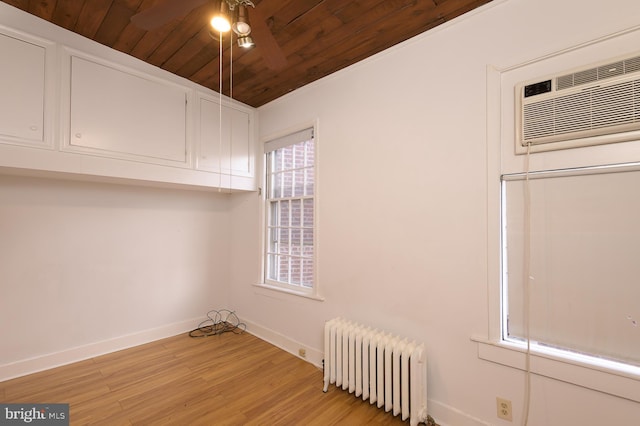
[{"x": 230, "y": 379}]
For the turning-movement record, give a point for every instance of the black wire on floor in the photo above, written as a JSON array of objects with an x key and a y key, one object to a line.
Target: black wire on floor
[{"x": 219, "y": 322}]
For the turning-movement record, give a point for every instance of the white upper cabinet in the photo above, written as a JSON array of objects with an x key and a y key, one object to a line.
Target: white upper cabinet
[
  {"x": 74, "y": 108},
  {"x": 122, "y": 114},
  {"x": 22, "y": 88},
  {"x": 224, "y": 139}
]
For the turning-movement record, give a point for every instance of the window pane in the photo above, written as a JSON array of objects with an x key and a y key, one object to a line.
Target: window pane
[
  {"x": 272, "y": 268},
  {"x": 308, "y": 182},
  {"x": 283, "y": 241},
  {"x": 288, "y": 157},
  {"x": 283, "y": 269},
  {"x": 283, "y": 213},
  {"x": 296, "y": 270},
  {"x": 272, "y": 240},
  {"x": 585, "y": 238},
  {"x": 299, "y": 183},
  {"x": 307, "y": 212},
  {"x": 283, "y": 159},
  {"x": 287, "y": 183},
  {"x": 289, "y": 248},
  {"x": 307, "y": 242},
  {"x": 299, "y": 155},
  {"x": 273, "y": 213},
  {"x": 296, "y": 213},
  {"x": 296, "y": 241},
  {"x": 307, "y": 274},
  {"x": 275, "y": 191},
  {"x": 275, "y": 161},
  {"x": 309, "y": 153}
]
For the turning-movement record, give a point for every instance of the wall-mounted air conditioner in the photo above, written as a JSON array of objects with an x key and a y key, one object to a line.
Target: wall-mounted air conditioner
[{"x": 593, "y": 105}]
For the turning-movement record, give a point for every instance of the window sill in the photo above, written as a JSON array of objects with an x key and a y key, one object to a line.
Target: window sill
[
  {"x": 602, "y": 378},
  {"x": 269, "y": 289}
]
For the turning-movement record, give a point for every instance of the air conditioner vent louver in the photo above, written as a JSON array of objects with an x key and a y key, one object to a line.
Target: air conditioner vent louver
[
  {"x": 564, "y": 82},
  {"x": 610, "y": 70},
  {"x": 602, "y": 72},
  {"x": 599, "y": 104},
  {"x": 632, "y": 65},
  {"x": 591, "y": 109},
  {"x": 586, "y": 76}
]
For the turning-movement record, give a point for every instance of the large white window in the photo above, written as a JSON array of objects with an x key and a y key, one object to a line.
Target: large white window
[
  {"x": 576, "y": 235},
  {"x": 562, "y": 244},
  {"x": 290, "y": 211}
]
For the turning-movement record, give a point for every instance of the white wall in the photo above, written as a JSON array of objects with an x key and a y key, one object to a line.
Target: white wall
[
  {"x": 403, "y": 196},
  {"x": 87, "y": 268}
]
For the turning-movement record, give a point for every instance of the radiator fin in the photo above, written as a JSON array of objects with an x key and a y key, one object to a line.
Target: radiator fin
[{"x": 388, "y": 370}]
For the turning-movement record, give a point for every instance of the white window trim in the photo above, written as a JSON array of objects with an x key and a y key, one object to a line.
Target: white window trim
[
  {"x": 611, "y": 378},
  {"x": 273, "y": 286},
  {"x": 620, "y": 381},
  {"x": 280, "y": 289}
]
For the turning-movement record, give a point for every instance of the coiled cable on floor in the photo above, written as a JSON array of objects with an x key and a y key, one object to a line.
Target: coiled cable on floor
[{"x": 218, "y": 322}]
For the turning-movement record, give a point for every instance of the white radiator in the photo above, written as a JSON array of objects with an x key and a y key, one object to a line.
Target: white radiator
[{"x": 386, "y": 369}]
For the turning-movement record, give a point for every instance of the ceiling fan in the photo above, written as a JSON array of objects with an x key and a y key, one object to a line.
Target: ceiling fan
[{"x": 231, "y": 14}]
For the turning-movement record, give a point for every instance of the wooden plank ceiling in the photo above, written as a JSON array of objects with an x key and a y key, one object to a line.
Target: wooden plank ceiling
[{"x": 316, "y": 37}]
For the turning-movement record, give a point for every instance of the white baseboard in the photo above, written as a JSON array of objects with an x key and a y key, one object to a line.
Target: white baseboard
[
  {"x": 314, "y": 356},
  {"x": 68, "y": 356},
  {"x": 443, "y": 414},
  {"x": 446, "y": 415}
]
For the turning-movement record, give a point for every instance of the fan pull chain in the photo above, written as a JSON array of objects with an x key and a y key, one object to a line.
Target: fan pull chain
[
  {"x": 231, "y": 97},
  {"x": 231, "y": 66},
  {"x": 220, "y": 119}
]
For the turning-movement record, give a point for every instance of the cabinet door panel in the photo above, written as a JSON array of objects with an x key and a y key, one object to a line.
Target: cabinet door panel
[
  {"x": 241, "y": 155},
  {"x": 117, "y": 113},
  {"x": 214, "y": 148},
  {"x": 22, "y": 77},
  {"x": 224, "y": 140}
]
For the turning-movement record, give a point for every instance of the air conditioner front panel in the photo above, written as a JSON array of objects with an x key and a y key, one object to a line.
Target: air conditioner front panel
[{"x": 602, "y": 111}]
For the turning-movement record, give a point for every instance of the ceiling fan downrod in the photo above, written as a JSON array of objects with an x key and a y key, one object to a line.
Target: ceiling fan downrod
[{"x": 233, "y": 3}]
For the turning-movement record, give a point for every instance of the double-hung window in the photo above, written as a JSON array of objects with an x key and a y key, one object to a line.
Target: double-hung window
[{"x": 290, "y": 211}]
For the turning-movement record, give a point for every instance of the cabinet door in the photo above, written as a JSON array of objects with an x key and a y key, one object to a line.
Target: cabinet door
[
  {"x": 240, "y": 140},
  {"x": 123, "y": 115},
  {"x": 224, "y": 148},
  {"x": 22, "y": 77}
]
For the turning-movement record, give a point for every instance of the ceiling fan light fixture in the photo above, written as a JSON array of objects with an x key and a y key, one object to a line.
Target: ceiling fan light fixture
[
  {"x": 245, "y": 41},
  {"x": 221, "y": 21},
  {"x": 241, "y": 23}
]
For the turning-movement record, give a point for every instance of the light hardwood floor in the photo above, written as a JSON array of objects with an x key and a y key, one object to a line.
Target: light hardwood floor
[{"x": 229, "y": 379}]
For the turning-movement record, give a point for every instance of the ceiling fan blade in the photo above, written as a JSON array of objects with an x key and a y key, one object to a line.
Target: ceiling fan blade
[
  {"x": 163, "y": 12},
  {"x": 265, "y": 42}
]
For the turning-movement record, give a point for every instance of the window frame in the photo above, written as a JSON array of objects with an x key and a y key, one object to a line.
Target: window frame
[
  {"x": 270, "y": 284},
  {"x": 605, "y": 376},
  {"x": 609, "y": 378},
  {"x": 565, "y": 348}
]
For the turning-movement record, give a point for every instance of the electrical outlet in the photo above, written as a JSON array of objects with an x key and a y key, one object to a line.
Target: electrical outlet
[
  {"x": 504, "y": 409},
  {"x": 302, "y": 352}
]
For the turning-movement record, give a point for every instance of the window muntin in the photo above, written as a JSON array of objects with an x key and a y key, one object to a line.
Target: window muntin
[{"x": 290, "y": 211}]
